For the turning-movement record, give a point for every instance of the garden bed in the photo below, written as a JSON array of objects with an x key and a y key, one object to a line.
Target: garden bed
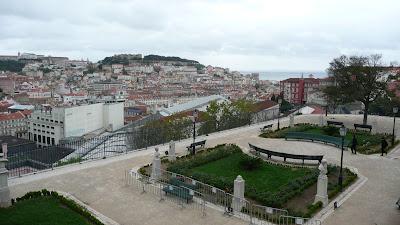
[
  {"x": 368, "y": 143},
  {"x": 45, "y": 208},
  {"x": 266, "y": 183}
]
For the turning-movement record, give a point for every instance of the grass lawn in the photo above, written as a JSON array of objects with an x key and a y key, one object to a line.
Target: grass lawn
[
  {"x": 367, "y": 143},
  {"x": 40, "y": 211},
  {"x": 266, "y": 177}
]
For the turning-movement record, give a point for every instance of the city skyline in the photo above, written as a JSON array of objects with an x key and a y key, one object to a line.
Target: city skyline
[{"x": 256, "y": 36}]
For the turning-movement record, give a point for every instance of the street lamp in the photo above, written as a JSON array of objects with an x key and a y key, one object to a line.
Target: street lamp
[
  {"x": 279, "y": 110},
  {"x": 326, "y": 109},
  {"x": 395, "y": 110},
  {"x": 342, "y": 132},
  {"x": 195, "y": 115}
]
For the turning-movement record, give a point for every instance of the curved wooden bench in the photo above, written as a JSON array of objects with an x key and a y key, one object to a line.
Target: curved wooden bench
[
  {"x": 285, "y": 156},
  {"x": 326, "y": 139}
]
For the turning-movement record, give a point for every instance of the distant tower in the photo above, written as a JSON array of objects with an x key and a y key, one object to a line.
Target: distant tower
[{"x": 19, "y": 54}]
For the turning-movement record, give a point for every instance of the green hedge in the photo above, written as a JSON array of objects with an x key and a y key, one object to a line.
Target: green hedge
[
  {"x": 67, "y": 202},
  {"x": 264, "y": 197}
]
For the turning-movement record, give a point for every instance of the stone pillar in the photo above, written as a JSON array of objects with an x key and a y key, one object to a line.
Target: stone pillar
[
  {"x": 238, "y": 194},
  {"x": 291, "y": 120},
  {"x": 374, "y": 124},
  {"x": 4, "y": 147},
  {"x": 171, "y": 152},
  {"x": 321, "y": 120},
  {"x": 5, "y": 199},
  {"x": 156, "y": 166},
  {"x": 322, "y": 185}
]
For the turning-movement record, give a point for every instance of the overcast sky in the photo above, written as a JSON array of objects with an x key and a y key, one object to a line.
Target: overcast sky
[{"x": 242, "y": 35}]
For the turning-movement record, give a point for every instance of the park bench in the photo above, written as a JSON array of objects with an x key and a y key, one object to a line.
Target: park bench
[
  {"x": 195, "y": 144},
  {"x": 326, "y": 139},
  {"x": 363, "y": 126},
  {"x": 266, "y": 127},
  {"x": 179, "y": 192},
  {"x": 176, "y": 182},
  {"x": 285, "y": 156},
  {"x": 334, "y": 123}
]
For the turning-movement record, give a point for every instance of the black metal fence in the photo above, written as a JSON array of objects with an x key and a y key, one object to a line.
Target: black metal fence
[{"x": 135, "y": 138}]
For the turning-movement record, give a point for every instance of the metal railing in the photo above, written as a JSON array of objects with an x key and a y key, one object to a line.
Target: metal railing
[
  {"x": 292, "y": 220},
  {"x": 230, "y": 205},
  {"x": 182, "y": 196},
  {"x": 23, "y": 160}
]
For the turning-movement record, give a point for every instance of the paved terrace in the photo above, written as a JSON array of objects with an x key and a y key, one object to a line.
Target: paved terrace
[{"x": 100, "y": 183}]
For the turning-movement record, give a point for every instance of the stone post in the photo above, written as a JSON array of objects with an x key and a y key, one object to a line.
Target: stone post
[
  {"x": 321, "y": 120},
  {"x": 322, "y": 185},
  {"x": 171, "y": 152},
  {"x": 238, "y": 194},
  {"x": 4, "y": 147},
  {"x": 374, "y": 125},
  {"x": 291, "y": 120},
  {"x": 156, "y": 166},
  {"x": 5, "y": 199}
]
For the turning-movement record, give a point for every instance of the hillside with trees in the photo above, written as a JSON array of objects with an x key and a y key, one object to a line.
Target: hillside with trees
[{"x": 11, "y": 65}]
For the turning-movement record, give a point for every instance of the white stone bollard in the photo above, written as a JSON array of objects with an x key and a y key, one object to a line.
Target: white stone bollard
[
  {"x": 171, "y": 152},
  {"x": 374, "y": 123},
  {"x": 156, "y": 166},
  {"x": 291, "y": 120},
  {"x": 321, "y": 120},
  {"x": 4, "y": 147},
  {"x": 238, "y": 194},
  {"x": 322, "y": 185},
  {"x": 5, "y": 199}
]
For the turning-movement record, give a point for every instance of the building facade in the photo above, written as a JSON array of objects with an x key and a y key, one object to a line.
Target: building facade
[
  {"x": 299, "y": 90},
  {"x": 50, "y": 125}
]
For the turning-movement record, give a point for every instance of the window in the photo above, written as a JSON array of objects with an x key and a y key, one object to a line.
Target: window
[
  {"x": 34, "y": 138},
  {"x": 39, "y": 138},
  {"x": 52, "y": 128},
  {"x": 52, "y": 141},
  {"x": 44, "y": 139},
  {"x": 48, "y": 140}
]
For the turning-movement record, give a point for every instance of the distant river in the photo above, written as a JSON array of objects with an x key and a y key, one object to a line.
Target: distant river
[{"x": 281, "y": 75}]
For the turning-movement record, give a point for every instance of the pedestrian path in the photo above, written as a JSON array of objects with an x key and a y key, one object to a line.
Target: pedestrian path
[{"x": 100, "y": 183}]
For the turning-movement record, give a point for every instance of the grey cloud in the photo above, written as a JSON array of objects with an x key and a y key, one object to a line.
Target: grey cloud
[{"x": 239, "y": 34}]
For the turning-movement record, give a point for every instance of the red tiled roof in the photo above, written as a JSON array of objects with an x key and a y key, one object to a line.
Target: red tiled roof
[
  {"x": 260, "y": 106},
  {"x": 12, "y": 116}
]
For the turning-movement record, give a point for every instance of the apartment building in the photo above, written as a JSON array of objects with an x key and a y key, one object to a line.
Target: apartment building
[
  {"x": 14, "y": 124},
  {"x": 298, "y": 90}
]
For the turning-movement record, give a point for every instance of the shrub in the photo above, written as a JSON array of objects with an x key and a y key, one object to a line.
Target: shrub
[
  {"x": 331, "y": 131},
  {"x": 250, "y": 163},
  {"x": 66, "y": 202}
]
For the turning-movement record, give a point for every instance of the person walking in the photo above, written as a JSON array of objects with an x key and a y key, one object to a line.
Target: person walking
[
  {"x": 354, "y": 144},
  {"x": 384, "y": 144}
]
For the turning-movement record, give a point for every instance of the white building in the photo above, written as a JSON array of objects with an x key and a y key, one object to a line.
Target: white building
[{"x": 50, "y": 125}]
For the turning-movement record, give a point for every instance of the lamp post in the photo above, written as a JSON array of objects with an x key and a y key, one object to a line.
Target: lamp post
[
  {"x": 279, "y": 110},
  {"x": 326, "y": 109},
  {"x": 395, "y": 110},
  {"x": 342, "y": 132},
  {"x": 195, "y": 115}
]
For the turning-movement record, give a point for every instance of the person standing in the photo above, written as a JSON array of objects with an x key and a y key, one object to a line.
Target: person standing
[
  {"x": 384, "y": 144},
  {"x": 354, "y": 144}
]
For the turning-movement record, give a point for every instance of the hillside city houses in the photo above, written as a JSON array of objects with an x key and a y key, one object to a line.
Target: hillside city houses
[{"x": 50, "y": 99}]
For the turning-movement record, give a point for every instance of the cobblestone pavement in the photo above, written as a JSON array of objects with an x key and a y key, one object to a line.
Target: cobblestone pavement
[{"x": 100, "y": 183}]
